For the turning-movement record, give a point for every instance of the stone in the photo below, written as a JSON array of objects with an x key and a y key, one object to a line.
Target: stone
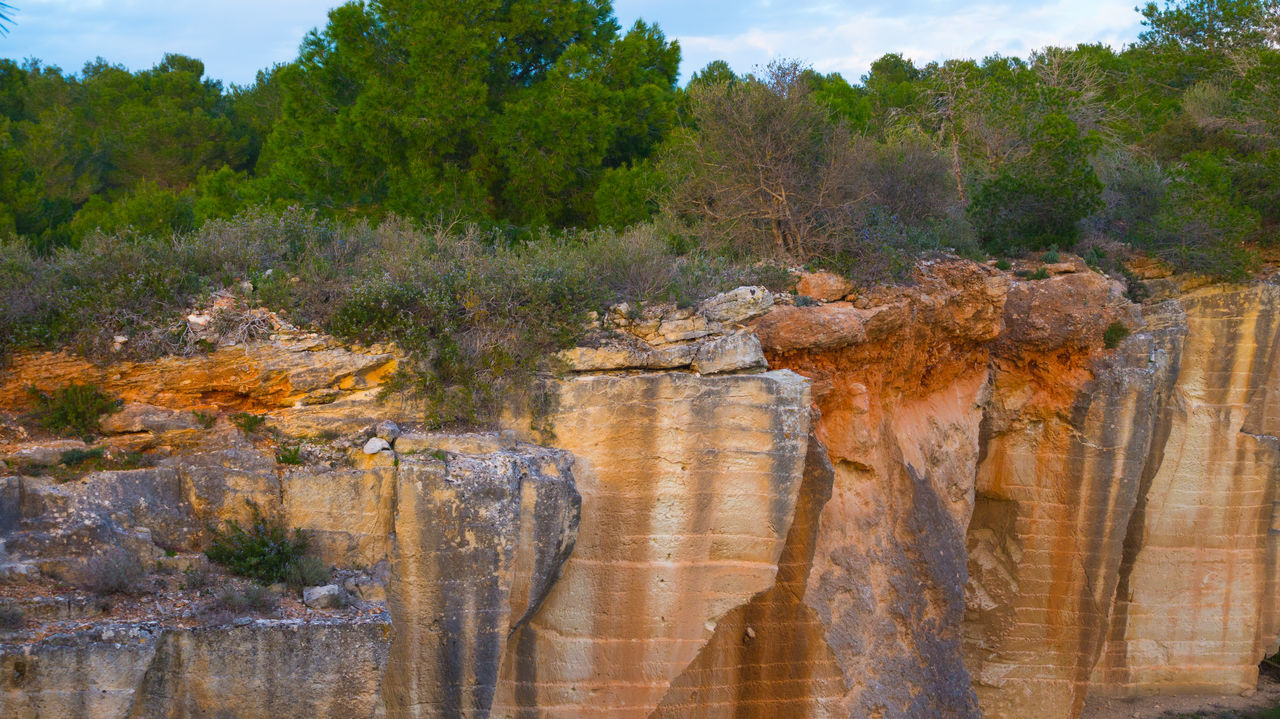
[
  {"x": 388, "y": 431},
  {"x": 735, "y": 353},
  {"x": 627, "y": 355},
  {"x": 458, "y": 443},
  {"x": 330, "y": 596},
  {"x": 46, "y": 453},
  {"x": 346, "y": 512},
  {"x": 376, "y": 445},
  {"x": 479, "y": 544},
  {"x": 737, "y": 306},
  {"x": 824, "y": 286},
  {"x": 138, "y": 417},
  {"x": 688, "y": 488}
]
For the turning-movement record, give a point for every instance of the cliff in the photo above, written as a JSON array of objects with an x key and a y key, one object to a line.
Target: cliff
[{"x": 946, "y": 499}]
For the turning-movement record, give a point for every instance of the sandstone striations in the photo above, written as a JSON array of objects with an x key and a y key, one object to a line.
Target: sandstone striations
[{"x": 977, "y": 495}]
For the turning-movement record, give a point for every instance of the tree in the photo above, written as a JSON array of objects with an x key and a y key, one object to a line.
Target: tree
[
  {"x": 490, "y": 108},
  {"x": 1212, "y": 26},
  {"x": 768, "y": 170}
]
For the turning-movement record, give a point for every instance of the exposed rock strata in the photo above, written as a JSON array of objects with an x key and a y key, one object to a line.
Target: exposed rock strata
[{"x": 989, "y": 513}]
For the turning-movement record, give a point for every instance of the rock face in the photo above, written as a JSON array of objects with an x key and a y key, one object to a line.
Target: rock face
[
  {"x": 140, "y": 672},
  {"x": 689, "y": 486},
  {"x": 951, "y": 499}
]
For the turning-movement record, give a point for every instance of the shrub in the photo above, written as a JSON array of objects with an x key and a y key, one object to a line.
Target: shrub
[
  {"x": 74, "y": 410},
  {"x": 1052, "y": 256},
  {"x": 1003, "y": 265},
  {"x": 307, "y": 572},
  {"x": 263, "y": 551},
  {"x": 1039, "y": 274},
  {"x": 253, "y": 598},
  {"x": 204, "y": 419},
  {"x": 1115, "y": 334},
  {"x": 248, "y": 423},
  {"x": 290, "y": 455},
  {"x": 115, "y": 571},
  {"x": 196, "y": 577},
  {"x": 73, "y": 457}
]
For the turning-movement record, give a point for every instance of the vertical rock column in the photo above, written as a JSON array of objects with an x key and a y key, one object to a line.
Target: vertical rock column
[
  {"x": 689, "y": 487},
  {"x": 478, "y": 542},
  {"x": 1196, "y": 610}
]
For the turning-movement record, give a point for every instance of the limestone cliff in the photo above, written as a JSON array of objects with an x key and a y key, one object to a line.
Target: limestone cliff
[{"x": 949, "y": 499}]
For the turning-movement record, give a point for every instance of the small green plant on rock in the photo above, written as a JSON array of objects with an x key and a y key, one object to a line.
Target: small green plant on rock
[
  {"x": 1003, "y": 265},
  {"x": 72, "y": 410},
  {"x": 290, "y": 455},
  {"x": 248, "y": 423},
  {"x": 1115, "y": 334},
  {"x": 204, "y": 419},
  {"x": 1040, "y": 274},
  {"x": 1052, "y": 256},
  {"x": 262, "y": 551}
]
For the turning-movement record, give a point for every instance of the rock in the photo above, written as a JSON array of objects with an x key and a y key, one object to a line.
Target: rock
[
  {"x": 376, "y": 445},
  {"x": 137, "y": 417},
  {"x": 479, "y": 544},
  {"x": 737, "y": 306},
  {"x": 824, "y": 286},
  {"x": 685, "y": 511},
  {"x": 346, "y": 512},
  {"x": 735, "y": 353},
  {"x": 44, "y": 453},
  {"x": 368, "y": 589},
  {"x": 330, "y": 596},
  {"x": 388, "y": 431},
  {"x": 458, "y": 443},
  {"x": 627, "y": 355}
]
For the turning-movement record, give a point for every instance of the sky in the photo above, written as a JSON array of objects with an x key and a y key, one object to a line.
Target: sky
[{"x": 236, "y": 38}]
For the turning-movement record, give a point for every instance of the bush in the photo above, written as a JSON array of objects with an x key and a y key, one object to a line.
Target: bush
[
  {"x": 196, "y": 577},
  {"x": 204, "y": 419},
  {"x": 253, "y": 598},
  {"x": 307, "y": 572},
  {"x": 73, "y": 410},
  {"x": 115, "y": 571},
  {"x": 248, "y": 423},
  {"x": 262, "y": 552},
  {"x": 1115, "y": 334},
  {"x": 290, "y": 455}
]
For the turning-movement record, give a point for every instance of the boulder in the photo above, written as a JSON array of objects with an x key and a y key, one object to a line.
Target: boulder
[
  {"x": 825, "y": 286},
  {"x": 330, "y": 596},
  {"x": 737, "y": 306}
]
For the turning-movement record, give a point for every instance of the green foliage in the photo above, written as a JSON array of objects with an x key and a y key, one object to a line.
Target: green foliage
[
  {"x": 1038, "y": 201},
  {"x": 74, "y": 409},
  {"x": 1040, "y": 274},
  {"x": 73, "y": 457},
  {"x": 1003, "y": 265},
  {"x": 248, "y": 423},
  {"x": 205, "y": 419},
  {"x": 1052, "y": 256},
  {"x": 262, "y": 551},
  {"x": 307, "y": 572},
  {"x": 115, "y": 571},
  {"x": 1114, "y": 335},
  {"x": 289, "y": 455}
]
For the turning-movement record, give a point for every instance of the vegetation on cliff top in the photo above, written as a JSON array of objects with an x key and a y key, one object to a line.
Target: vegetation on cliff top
[{"x": 453, "y": 176}]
